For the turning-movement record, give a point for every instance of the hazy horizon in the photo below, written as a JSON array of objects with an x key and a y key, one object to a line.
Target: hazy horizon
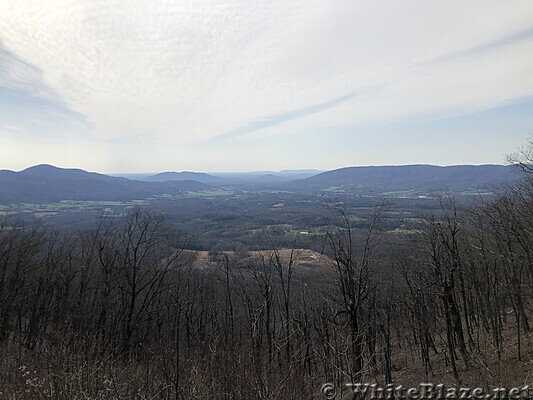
[
  {"x": 212, "y": 86},
  {"x": 251, "y": 171}
]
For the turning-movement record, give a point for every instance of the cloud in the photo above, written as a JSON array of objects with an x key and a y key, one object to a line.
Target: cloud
[
  {"x": 275, "y": 120},
  {"x": 17, "y": 75},
  {"x": 197, "y": 69},
  {"x": 13, "y": 127}
]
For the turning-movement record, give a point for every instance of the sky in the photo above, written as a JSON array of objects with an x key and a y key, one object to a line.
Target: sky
[{"x": 119, "y": 86}]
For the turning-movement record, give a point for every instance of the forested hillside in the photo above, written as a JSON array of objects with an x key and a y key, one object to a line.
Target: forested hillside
[
  {"x": 46, "y": 183},
  {"x": 423, "y": 178},
  {"x": 124, "y": 310}
]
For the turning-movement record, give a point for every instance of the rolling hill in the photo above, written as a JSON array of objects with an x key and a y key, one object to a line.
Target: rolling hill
[
  {"x": 411, "y": 177},
  {"x": 185, "y": 176},
  {"x": 46, "y": 183}
]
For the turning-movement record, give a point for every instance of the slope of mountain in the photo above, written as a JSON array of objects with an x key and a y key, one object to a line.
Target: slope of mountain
[
  {"x": 412, "y": 177},
  {"x": 133, "y": 176},
  {"x": 185, "y": 176},
  {"x": 264, "y": 178},
  {"x": 299, "y": 173},
  {"x": 269, "y": 179},
  {"x": 46, "y": 183}
]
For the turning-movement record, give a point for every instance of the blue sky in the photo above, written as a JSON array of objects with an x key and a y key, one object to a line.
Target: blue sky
[{"x": 234, "y": 86}]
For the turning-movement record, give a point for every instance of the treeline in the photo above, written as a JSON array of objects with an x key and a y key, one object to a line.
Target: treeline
[{"x": 125, "y": 311}]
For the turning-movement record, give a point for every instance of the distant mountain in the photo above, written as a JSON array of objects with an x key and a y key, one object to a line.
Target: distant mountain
[
  {"x": 265, "y": 178},
  {"x": 46, "y": 183},
  {"x": 300, "y": 172},
  {"x": 269, "y": 178},
  {"x": 133, "y": 176},
  {"x": 185, "y": 176},
  {"x": 411, "y": 177},
  {"x": 297, "y": 175}
]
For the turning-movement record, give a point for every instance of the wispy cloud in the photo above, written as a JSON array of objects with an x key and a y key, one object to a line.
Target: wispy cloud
[
  {"x": 18, "y": 75},
  {"x": 278, "y": 119},
  {"x": 524, "y": 36},
  {"x": 13, "y": 128}
]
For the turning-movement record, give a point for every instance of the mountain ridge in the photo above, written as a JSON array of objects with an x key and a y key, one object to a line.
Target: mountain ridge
[
  {"x": 201, "y": 177},
  {"x": 46, "y": 183},
  {"x": 415, "y": 176}
]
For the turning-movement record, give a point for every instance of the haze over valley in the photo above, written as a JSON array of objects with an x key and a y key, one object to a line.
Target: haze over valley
[{"x": 222, "y": 211}]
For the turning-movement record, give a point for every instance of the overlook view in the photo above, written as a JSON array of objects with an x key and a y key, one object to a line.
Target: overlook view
[{"x": 266, "y": 200}]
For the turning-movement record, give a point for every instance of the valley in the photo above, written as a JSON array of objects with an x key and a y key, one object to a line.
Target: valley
[{"x": 235, "y": 210}]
